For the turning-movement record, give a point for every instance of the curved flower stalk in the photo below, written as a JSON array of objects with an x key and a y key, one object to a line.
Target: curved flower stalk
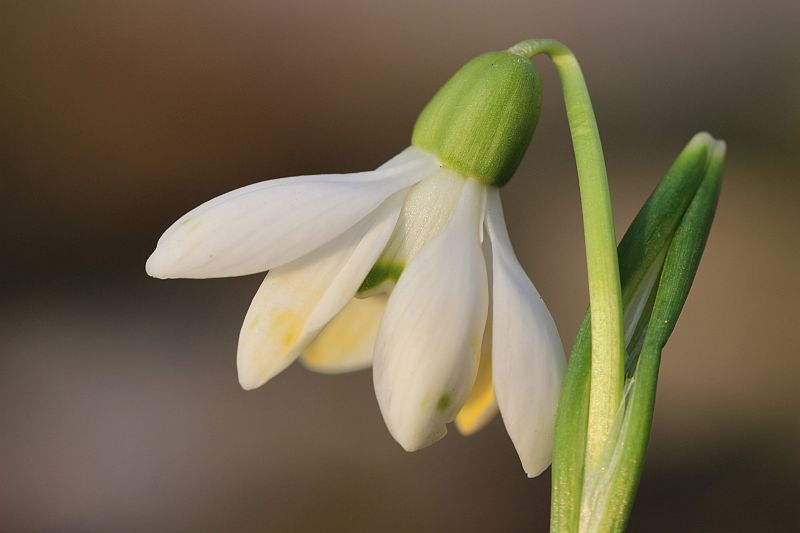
[{"x": 392, "y": 268}]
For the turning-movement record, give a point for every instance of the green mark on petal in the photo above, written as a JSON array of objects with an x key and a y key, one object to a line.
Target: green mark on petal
[
  {"x": 443, "y": 403},
  {"x": 380, "y": 273}
]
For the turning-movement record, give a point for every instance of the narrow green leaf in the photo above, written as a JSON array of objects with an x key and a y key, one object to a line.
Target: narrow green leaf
[
  {"x": 657, "y": 220},
  {"x": 680, "y": 267},
  {"x": 643, "y": 244},
  {"x": 570, "y": 436}
]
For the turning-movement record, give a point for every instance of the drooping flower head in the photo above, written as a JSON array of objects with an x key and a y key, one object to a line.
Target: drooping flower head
[{"x": 408, "y": 268}]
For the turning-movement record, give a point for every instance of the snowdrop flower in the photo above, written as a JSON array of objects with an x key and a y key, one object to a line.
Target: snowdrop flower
[{"x": 407, "y": 268}]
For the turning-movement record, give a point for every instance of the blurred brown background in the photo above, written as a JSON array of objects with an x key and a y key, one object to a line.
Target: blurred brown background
[{"x": 119, "y": 405}]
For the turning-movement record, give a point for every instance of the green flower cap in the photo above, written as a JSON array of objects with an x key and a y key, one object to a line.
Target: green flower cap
[{"x": 481, "y": 121}]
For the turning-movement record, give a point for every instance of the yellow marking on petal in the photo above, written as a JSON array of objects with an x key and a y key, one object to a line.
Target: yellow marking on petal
[
  {"x": 474, "y": 343},
  {"x": 348, "y": 340},
  {"x": 288, "y": 326},
  {"x": 481, "y": 406}
]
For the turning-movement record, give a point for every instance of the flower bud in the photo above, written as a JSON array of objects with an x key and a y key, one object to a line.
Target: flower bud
[{"x": 481, "y": 121}]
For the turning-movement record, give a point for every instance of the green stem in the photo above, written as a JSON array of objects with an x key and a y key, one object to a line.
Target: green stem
[{"x": 605, "y": 300}]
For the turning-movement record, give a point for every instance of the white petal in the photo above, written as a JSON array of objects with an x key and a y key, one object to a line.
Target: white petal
[
  {"x": 427, "y": 351},
  {"x": 409, "y": 155},
  {"x": 528, "y": 359},
  {"x": 348, "y": 341},
  {"x": 427, "y": 210},
  {"x": 297, "y": 300},
  {"x": 272, "y": 223}
]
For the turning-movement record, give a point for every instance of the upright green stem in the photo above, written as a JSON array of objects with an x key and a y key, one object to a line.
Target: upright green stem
[{"x": 605, "y": 300}]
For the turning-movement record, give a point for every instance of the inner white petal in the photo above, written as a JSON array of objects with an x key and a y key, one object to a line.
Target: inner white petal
[{"x": 426, "y": 211}]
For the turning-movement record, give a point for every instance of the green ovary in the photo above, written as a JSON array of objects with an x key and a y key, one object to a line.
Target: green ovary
[{"x": 481, "y": 121}]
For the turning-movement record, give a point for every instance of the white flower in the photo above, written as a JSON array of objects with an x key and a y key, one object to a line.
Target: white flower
[{"x": 387, "y": 268}]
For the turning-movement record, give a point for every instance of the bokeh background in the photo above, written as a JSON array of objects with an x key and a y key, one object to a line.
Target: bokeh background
[{"x": 119, "y": 404}]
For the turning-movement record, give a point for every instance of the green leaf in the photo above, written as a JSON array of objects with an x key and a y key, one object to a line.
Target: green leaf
[{"x": 672, "y": 227}]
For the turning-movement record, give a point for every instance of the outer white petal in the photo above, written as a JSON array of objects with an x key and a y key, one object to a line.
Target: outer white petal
[
  {"x": 528, "y": 358},
  {"x": 348, "y": 341},
  {"x": 272, "y": 223},
  {"x": 297, "y": 300},
  {"x": 408, "y": 155},
  {"x": 426, "y": 354}
]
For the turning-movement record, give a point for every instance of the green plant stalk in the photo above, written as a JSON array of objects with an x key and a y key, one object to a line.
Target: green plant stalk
[
  {"x": 648, "y": 236},
  {"x": 605, "y": 299}
]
